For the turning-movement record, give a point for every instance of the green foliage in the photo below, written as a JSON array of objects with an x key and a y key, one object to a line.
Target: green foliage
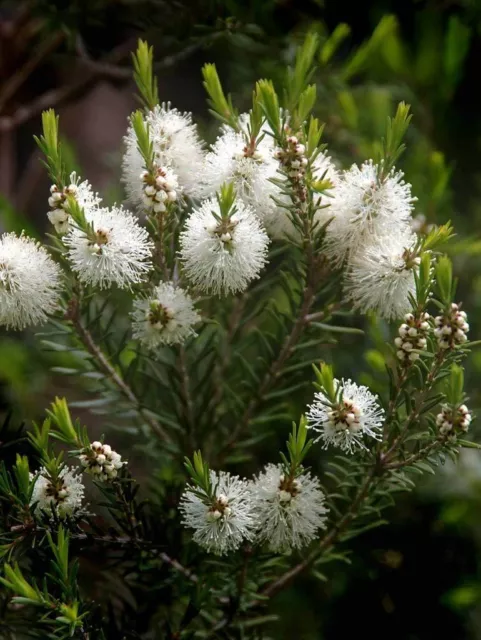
[
  {"x": 144, "y": 75},
  {"x": 50, "y": 146},
  {"x": 221, "y": 107}
]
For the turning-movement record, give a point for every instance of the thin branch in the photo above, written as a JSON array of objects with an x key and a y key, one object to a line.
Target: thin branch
[
  {"x": 139, "y": 543},
  {"x": 186, "y": 395},
  {"x": 21, "y": 76},
  {"x": 106, "y": 367},
  {"x": 54, "y": 97}
]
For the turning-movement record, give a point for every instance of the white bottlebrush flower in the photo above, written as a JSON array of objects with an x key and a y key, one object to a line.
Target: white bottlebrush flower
[
  {"x": 166, "y": 317},
  {"x": 250, "y": 170},
  {"x": 223, "y": 257},
  {"x": 364, "y": 210},
  {"x": 344, "y": 424},
  {"x": 222, "y": 525},
  {"x": 29, "y": 282},
  {"x": 65, "y": 496},
  {"x": 290, "y": 511},
  {"x": 116, "y": 250},
  {"x": 380, "y": 277},
  {"x": 83, "y": 194},
  {"x": 176, "y": 145}
]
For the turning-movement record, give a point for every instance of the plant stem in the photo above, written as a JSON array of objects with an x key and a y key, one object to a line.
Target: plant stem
[
  {"x": 327, "y": 541},
  {"x": 103, "y": 364}
]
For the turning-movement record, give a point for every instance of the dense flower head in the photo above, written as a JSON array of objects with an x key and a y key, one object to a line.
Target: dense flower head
[
  {"x": 380, "y": 277},
  {"x": 223, "y": 256},
  {"x": 249, "y": 167},
  {"x": 451, "y": 328},
  {"x": 83, "y": 194},
  {"x": 412, "y": 337},
  {"x": 364, "y": 209},
  {"x": 114, "y": 250},
  {"x": 177, "y": 146},
  {"x": 160, "y": 189},
  {"x": 346, "y": 422},
  {"x": 167, "y": 316},
  {"x": 453, "y": 420},
  {"x": 101, "y": 461},
  {"x": 29, "y": 282},
  {"x": 63, "y": 496},
  {"x": 222, "y": 523},
  {"x": 290, "y": 511}
]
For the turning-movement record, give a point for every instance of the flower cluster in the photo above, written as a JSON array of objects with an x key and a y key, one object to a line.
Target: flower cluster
[
  {"x": 223, "y": 521},
  {"x": 58, "y": 202},
  {"x": 345, "y": 422},
  {"x": 293, "y": 158},
  {"x": 453, "y": 420},
  {"x": 114, "y": 249},
  {"x": 290, "y": 510},
  {"x": 222, "y": 255},
  {"x": 101, "y": 461},
  {"x": 160, "y": 189},
  {"x": 250, "y": 165},
  {"x": 370, "y": 229},
  {"x": 451, "y": 328},
  {"x": 62, "y": 496},
  {"x": 177, "y": 149},
  {"x": 412, "y": 337},
  {"x": 29, "y": 282},
  {"x": 166, "y": 317}
]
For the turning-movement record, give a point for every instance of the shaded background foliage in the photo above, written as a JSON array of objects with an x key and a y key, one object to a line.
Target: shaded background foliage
[{"x": 421, "y": 576}]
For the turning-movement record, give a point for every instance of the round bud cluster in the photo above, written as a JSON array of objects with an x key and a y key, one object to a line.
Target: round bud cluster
[
  {"x": 220, "y": 509},
  {"x": 58, "y": 215},
  {"x": 412, "y": 336},
  {"x": 288, "y": 488},
  {"x": 293, "y": 158},
  {"x": 160, "y": 188},
  {"x": 451, "y": 328},
  {"x": 101, "y": 461},
  {"x": 452, "y": 420},
  {"x": 345, "y": 416}
]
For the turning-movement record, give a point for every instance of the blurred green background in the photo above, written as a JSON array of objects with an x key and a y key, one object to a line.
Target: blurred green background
[{"x": 420, "y": 577}]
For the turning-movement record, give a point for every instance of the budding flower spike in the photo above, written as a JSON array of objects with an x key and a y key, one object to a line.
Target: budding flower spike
[
  {"x": 177, "y": 150},
  {"x": 82, "y": 192},
  {"x": 64, "y": 496},
  {"x": 452, "y": 421},
  {"x": 365, "y": 208},
  {"x": 101, "y": 461},
  {"x": 114, "y": 249},
  {"x": 345, "y": 415},
  {"x": 412, "y": 338},
  {"x": 30, "y": 282},
  {"x": 451, "y": 328},
  {"x": 223, "y": 246},
  {"x": 167, "y": 316}
]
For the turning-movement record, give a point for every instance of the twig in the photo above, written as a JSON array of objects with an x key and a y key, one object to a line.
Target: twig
[
  {"x": 56, "y": 96},
  {"x": 286, "y": 578},
  {"x": 137, "y": 542},
  {"x": 276, "y": 367},
  {"x": 186, "y": 395},
  {"x": 105, "y": 366},
  {"x": 22, "y": 75}
]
